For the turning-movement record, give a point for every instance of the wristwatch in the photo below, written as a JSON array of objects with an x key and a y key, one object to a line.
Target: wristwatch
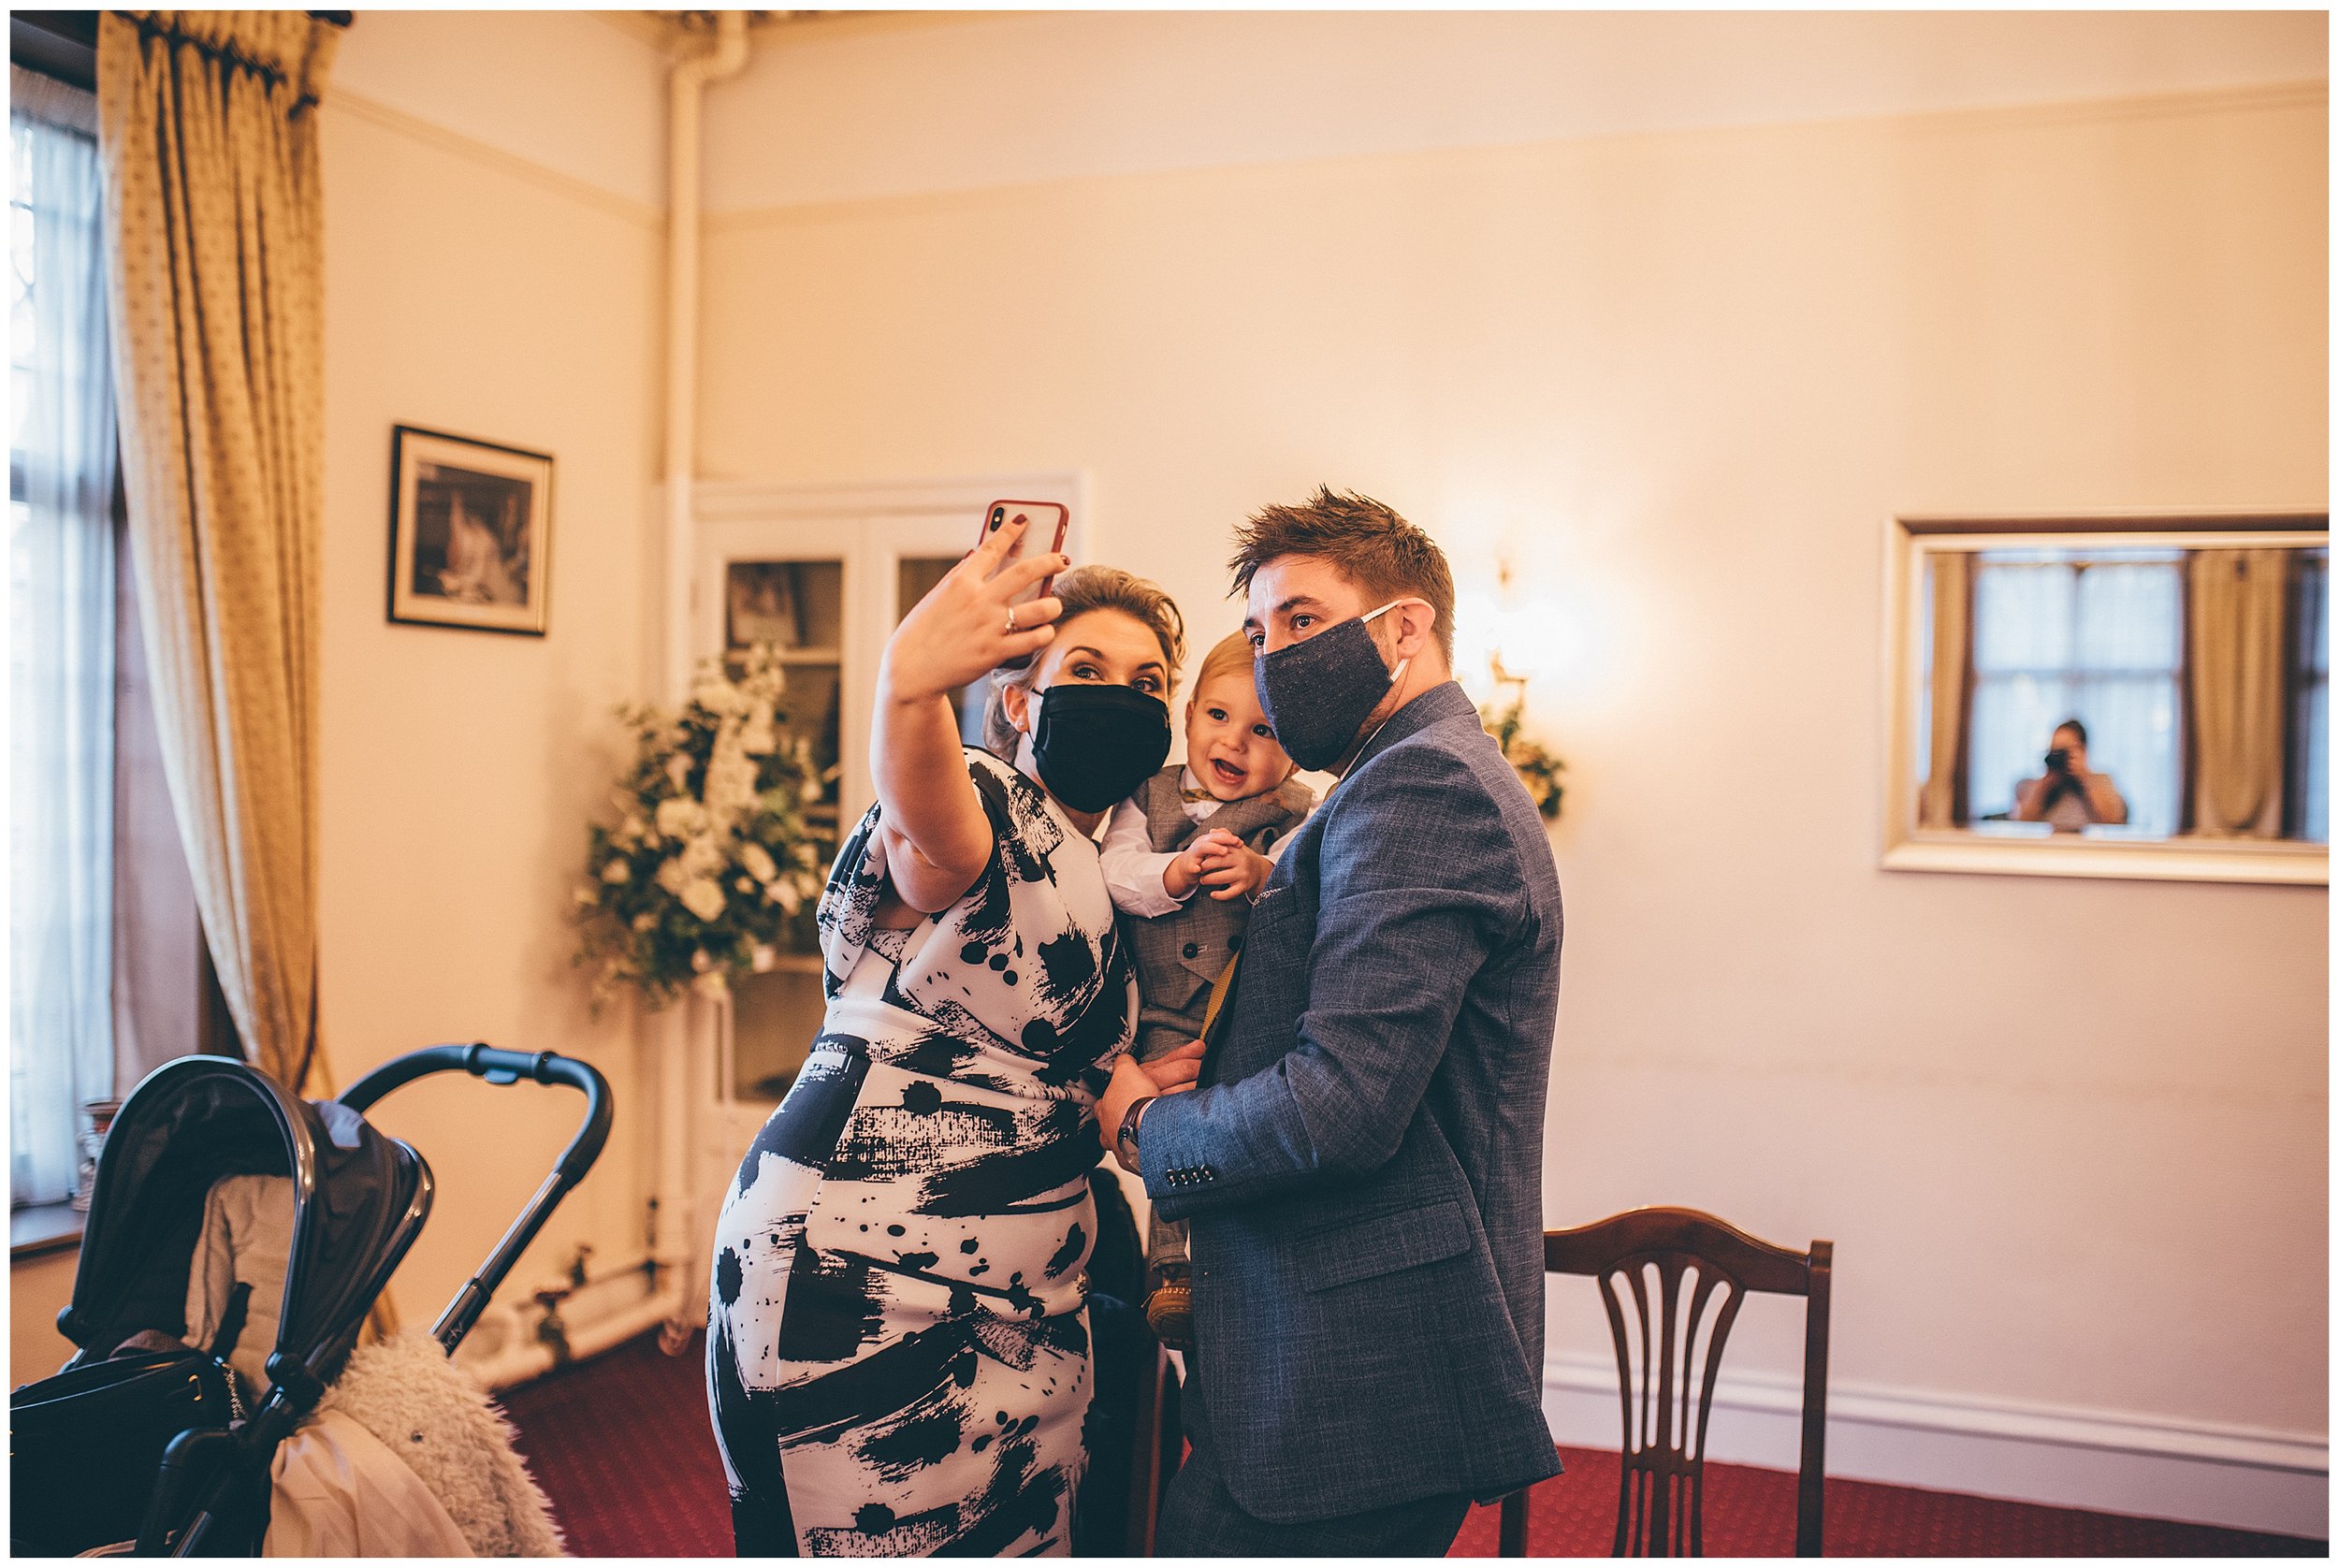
[{"x": 1125, "y": 1141}]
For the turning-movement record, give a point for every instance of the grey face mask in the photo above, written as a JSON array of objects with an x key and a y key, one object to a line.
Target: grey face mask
[{"x": 1318, "y": 694}]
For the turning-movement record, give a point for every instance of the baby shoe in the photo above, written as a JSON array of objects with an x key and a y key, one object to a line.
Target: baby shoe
[{"x": 1169, "y": 1311}]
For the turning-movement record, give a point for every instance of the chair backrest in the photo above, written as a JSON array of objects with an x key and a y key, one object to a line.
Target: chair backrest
[{"x": 1686, "y": 1273}]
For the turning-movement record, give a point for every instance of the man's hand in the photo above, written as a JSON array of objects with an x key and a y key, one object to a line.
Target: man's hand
[{"x": 1173, "y": 1072}]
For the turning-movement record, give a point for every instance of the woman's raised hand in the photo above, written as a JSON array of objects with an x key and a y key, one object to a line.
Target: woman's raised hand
[{"x": 962, "y": 630}]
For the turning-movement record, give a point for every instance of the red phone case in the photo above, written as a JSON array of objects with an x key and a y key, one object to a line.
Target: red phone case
[{"x": 1063, "y": 524}]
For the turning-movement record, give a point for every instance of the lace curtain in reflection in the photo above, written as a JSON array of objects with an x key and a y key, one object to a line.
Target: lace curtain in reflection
[{"x": 2101, "y": 641}]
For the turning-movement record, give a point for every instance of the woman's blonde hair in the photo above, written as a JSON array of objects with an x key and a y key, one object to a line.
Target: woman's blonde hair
[{"x": 1082, "y": 590}]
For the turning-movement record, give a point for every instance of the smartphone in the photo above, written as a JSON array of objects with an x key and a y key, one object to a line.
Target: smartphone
[{"x": 1047, "y": 518}]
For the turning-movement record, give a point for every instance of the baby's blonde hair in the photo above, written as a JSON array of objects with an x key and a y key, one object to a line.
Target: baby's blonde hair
[{"x": 1232, "y": 654}]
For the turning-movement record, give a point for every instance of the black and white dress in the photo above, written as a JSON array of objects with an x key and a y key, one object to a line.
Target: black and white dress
[{"x": 897, "y": 1345}]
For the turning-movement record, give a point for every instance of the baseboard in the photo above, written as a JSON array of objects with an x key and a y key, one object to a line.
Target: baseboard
[{"x": 2201, "y": 1473}]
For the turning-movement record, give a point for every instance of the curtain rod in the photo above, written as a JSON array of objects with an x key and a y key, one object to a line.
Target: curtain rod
[{"x": 63, "y": 44}]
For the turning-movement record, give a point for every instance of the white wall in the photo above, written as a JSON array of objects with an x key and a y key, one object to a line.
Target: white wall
[
  {"x": 2069, "y": 1137},
  {"x": 844, "y": 108},
  {"x": 492, "y": 269},
  {"x": 470, "y": 291}
]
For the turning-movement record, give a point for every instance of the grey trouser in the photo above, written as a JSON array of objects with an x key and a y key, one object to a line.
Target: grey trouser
[
  {"x": 1200, "y": 1519},
  {"x": 1165, "y": 1239},
  {"x": 1203, "y": 1519}
]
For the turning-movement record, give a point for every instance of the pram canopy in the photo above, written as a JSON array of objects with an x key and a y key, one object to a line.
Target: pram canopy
[{"x": 359, "y": 1198}]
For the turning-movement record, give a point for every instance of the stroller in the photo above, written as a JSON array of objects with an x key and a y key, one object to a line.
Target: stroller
[{"x": 158, "y": 1443}]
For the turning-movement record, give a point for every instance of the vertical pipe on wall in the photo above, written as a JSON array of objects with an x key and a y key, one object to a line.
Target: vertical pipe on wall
[
  {"x": 691, "y": 74},
  {"x": 677, "y": 1045}
]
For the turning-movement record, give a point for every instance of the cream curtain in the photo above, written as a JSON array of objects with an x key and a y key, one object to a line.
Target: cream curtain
[
  {"x": 2239, "y": 689},
  {"x": 1941, "y": 803},
  {"x": 208, "y": 136}
]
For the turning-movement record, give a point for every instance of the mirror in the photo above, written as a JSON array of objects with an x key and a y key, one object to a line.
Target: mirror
[{"x": 2123, "y": 697}]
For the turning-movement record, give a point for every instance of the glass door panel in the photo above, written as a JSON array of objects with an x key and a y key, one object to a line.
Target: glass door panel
[
  {"x": 914, "y": 579},
  {"x": 797, "y": 606}
]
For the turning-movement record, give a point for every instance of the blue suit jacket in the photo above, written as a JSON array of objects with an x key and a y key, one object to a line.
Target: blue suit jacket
[{"x": 1362, "y": 1165}]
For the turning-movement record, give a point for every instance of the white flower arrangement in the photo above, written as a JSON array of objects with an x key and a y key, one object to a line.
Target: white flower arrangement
[{"x": 709, "y": 862}]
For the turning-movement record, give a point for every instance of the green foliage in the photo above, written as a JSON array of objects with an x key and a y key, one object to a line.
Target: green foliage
[{"x": 1539, "y": 769}]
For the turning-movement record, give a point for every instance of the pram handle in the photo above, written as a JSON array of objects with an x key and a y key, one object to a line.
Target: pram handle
[{"x": 500, "y": 1066}]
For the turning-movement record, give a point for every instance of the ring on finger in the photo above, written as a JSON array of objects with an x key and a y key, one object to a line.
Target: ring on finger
[{"x": 1011, "y": 620}]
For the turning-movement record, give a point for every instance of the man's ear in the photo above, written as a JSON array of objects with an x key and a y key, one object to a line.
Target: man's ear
[{"x": 1417, "y": 623}]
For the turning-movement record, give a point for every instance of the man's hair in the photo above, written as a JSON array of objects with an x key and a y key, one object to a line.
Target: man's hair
[
  {"x": 1082, "y": 590},
  {"x": 2074, "y": 726},
  {"x": 1368, "y": 541},
  {"x": 1232, "y": 654}
]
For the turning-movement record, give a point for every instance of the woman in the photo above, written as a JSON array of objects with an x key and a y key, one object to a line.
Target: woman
[{"x": 898, "y": 1354}]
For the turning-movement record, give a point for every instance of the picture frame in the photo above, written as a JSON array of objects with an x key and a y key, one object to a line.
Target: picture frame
[{"x": 470, "y": 534}]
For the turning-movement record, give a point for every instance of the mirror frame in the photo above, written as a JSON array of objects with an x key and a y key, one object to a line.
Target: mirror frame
[{"x": 1910, "y": 541}]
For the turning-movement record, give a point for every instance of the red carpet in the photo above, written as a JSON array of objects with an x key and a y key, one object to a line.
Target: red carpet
[
  {"x": 1751, "y": 1513},
  {"x": 622, "y": 1447}
]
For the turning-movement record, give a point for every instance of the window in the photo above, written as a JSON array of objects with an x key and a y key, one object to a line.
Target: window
[
  {"x": 2100, "y": 638},
  {"x": 60, "y": 664},
  {"x": 2310, "y": 697}
]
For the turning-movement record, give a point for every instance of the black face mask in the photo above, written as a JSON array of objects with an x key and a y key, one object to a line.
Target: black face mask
[
  {"x": 1318, "y": 693},
  {"x": 1095, "y": 744}
]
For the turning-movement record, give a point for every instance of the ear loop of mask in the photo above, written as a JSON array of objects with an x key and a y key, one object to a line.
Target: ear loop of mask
[
  {"x": 1026, "y": 757},
  {"x": 1397, "y": 674},
  {"x": 1394, "y": 676}
]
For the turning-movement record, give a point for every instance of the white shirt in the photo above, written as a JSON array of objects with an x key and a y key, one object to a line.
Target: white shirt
[{"x": 1133, "y": 868}]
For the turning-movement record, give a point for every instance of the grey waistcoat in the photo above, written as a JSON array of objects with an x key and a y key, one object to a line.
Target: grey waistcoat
[{"x": 1179, "y": 955}]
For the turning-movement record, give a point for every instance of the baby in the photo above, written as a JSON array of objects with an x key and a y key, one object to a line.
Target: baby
[{"x": 1210, "y": 824}]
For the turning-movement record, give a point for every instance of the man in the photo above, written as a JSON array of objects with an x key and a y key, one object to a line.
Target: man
[{"x": 1361, "y": 1161}]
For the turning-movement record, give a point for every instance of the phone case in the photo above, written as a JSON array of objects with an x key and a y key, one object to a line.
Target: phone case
[{"x": 1037, "y": 510}]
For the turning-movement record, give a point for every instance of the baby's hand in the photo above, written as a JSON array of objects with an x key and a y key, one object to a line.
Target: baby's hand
[
  {"x": 1182, "y": 875},
  {"x": 1237, "y": 872}
]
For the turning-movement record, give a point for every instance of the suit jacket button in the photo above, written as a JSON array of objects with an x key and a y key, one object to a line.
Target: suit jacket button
[
  {"x": 1194, "y": 949},
  {"x": 1234, "y": 943}
]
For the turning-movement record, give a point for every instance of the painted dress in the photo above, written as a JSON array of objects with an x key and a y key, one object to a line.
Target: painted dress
[{"x": 897, "y": 1345}]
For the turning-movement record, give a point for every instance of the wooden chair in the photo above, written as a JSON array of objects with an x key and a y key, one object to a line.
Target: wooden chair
[
  {"x": 1156, "y": 1455},
  {"x": 1666, "y": 1399}
]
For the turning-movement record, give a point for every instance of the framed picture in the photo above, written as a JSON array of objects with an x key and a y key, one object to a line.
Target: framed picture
[{"x": 470, "y": 532}]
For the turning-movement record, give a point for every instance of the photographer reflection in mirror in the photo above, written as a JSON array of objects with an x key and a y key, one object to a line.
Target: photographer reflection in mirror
[{"x": 2069, "y": 795}]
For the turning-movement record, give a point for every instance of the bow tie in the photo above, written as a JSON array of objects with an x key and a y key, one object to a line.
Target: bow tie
[{"x": 1189, "y": 796}]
